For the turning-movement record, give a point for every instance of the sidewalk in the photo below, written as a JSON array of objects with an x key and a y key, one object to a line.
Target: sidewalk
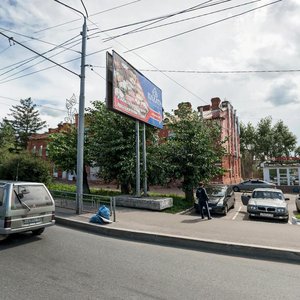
[{"x": 261, "y": 240}]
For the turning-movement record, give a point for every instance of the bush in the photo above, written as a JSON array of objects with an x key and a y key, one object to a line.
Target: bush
[{"x": 24, "y": 167}]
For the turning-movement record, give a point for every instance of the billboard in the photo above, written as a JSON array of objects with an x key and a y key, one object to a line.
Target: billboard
[{"x": 131, "y": 93}]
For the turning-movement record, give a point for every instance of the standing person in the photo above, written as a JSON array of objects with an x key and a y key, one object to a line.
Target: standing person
[{"x": 203, "y": 200}]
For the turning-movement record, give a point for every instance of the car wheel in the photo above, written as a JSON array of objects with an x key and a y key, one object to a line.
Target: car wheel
[
  {"x": 236, "y": 189},
  {"x": 38, "y": 231},
  {"x": 298, "y": 208},
  {"x": 225, "y": 210}
]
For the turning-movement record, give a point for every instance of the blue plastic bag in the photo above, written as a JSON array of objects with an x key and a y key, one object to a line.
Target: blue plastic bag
[
  {"x": 102, "y": 216},
  {"x": 96, "y": 219},
  {"x": 104, "y": 212}
]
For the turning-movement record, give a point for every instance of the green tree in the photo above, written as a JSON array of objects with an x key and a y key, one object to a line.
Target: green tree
[
  {"x": 62, "y": 150},
  {"x": 264, "y": 142},
  {"x": 194, "y": 151},
  {"x": 264, "y": 138},
  {"x": 248, "y": 146},
  {"x": 284, "y": 140},
  {"x": 112, "y": 145},
  {"x": 25, "y": 122},
  {"x": 297, "y": 151},
  {"x": 24, "y": 167},
  {"x": 7, "y": 139}
]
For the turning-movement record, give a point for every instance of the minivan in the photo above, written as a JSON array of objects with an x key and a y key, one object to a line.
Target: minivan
[{"x": 25, "y": 206}]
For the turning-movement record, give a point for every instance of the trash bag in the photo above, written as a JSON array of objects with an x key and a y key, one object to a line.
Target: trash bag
[
  {"x": 102, "y": 216},
  {"x": 104, "y": 212},
  {"x": 96, "y": 219}
]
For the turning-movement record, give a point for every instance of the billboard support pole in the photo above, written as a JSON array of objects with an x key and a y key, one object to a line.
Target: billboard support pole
[
  {"x": 145, "y": 159},
  {"x": 137, "y": 170}
]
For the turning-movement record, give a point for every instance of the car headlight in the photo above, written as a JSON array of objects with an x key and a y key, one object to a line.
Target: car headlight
[
  {"x": 220, "y": 203},
  {"x": 281, "y": 210},
  {"x": 252, "y": 207}
]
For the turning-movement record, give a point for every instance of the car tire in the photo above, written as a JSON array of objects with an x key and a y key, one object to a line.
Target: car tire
[
  {"x": 225, "y": 210},
  {"x": 298, "y": 208},
  {"x": 236, "y": 188},
  {"x": 233, "y": 204},
  {"x": 38, "y": 231}
]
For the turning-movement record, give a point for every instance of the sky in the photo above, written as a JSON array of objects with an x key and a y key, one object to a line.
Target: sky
[{"x": 193, "y": 50}]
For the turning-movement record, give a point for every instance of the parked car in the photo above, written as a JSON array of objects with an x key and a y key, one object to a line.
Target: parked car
[
  {"x": 251, "y": 184},
  {"x": 267, "y": 203},
  {"x": 221, "y": 199},
  {"x": 25, "y": 206},
  {"x": 298, "y": 203}
]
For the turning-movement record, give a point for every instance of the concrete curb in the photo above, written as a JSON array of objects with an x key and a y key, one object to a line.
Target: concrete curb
[{"x": 211, "y": 246}]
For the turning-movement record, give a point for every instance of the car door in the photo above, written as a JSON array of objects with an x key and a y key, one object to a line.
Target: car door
[{"x": 231, "y": 196}]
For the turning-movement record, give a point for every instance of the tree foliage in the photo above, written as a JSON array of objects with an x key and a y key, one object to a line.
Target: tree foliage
[
  {"x": 62, "y": 150},
  {"x": 24, "y": 167},
  {"x": 7, "y": 139},
  {"x": 194, "y": 151},
  {"x": 112, "y": 145},
  {"x": 25, "y": 122},
  {"x": 264, "y": 142}
]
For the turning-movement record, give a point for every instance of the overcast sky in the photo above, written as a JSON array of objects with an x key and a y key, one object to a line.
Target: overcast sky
[{"x": 216, "y": 36}]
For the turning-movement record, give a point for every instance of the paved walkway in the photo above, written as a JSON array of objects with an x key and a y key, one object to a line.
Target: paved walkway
[{"x": 247, "y": 238}]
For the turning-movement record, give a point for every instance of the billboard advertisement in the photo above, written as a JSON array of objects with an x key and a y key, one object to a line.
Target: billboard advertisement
[{"x": 132, "y": 93}]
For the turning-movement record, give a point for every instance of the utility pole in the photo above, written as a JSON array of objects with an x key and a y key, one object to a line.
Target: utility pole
[{"x": 80, "y": 137}]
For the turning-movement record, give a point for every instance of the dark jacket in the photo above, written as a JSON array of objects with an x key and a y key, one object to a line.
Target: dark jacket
[{"x": 201, "y": 194}]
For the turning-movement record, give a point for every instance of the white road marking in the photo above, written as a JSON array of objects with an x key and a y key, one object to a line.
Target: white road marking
[{"x": 236, "y": 214}]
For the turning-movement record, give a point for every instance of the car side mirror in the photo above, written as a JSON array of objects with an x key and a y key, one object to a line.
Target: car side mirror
[{"x": 287, "y": 198}]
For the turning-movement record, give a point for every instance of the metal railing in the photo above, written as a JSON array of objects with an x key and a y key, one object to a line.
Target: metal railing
[{"x": 90, "y": 203}]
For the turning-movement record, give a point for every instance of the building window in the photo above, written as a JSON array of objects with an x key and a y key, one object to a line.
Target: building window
[
  {"x": 41, "y": 150},
  {"x": 34, "y": 150}
]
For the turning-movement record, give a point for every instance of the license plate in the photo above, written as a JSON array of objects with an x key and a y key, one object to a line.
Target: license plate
[
  {"x": 266, "y": 215},
  {"x": 32, "y": 221}
]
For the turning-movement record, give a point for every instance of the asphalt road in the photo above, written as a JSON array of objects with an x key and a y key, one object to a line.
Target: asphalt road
[{"x": 69, "y": 264}]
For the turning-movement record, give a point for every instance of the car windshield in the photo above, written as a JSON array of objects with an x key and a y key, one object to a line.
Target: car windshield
[
  {"x": 216, "y": 191},
  {"x": 268, "y": 195}
]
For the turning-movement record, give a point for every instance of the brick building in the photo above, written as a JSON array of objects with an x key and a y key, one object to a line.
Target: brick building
[{"x": 223, "y": 112}]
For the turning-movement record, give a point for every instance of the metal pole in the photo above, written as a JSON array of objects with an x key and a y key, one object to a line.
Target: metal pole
[
  {"x": 137, "y": 169},
  {"x": 145, "y": 159},
  {"x": 80, "y": 139}
]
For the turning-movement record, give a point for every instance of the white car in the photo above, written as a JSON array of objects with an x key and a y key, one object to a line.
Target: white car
[{"x": 267, "y": 203}]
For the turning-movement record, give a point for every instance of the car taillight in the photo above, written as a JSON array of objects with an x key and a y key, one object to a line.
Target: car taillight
[
  {"x": 53, "y": 216},
  {"x": 7, "y": 222}
]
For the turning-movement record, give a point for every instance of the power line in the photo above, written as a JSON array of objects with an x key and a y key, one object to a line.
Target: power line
[
  {"x": 188, "y": 19},
  {"x": 40, "y": 105},
  {"x": 23, "y": 62},
  {"x": 33, "y": 38},
  {"x": 203, "y": 26},
  {"x": 156, "y": 18},
  {"x": 50, "y": 67},
  {"x": 214, "y": 72},
  {"x": 75, "y": 20},
  {"x": 31, "y": 66},
  {"x": 13, "y": 40},
  {"x": 198, "y": 6}
]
